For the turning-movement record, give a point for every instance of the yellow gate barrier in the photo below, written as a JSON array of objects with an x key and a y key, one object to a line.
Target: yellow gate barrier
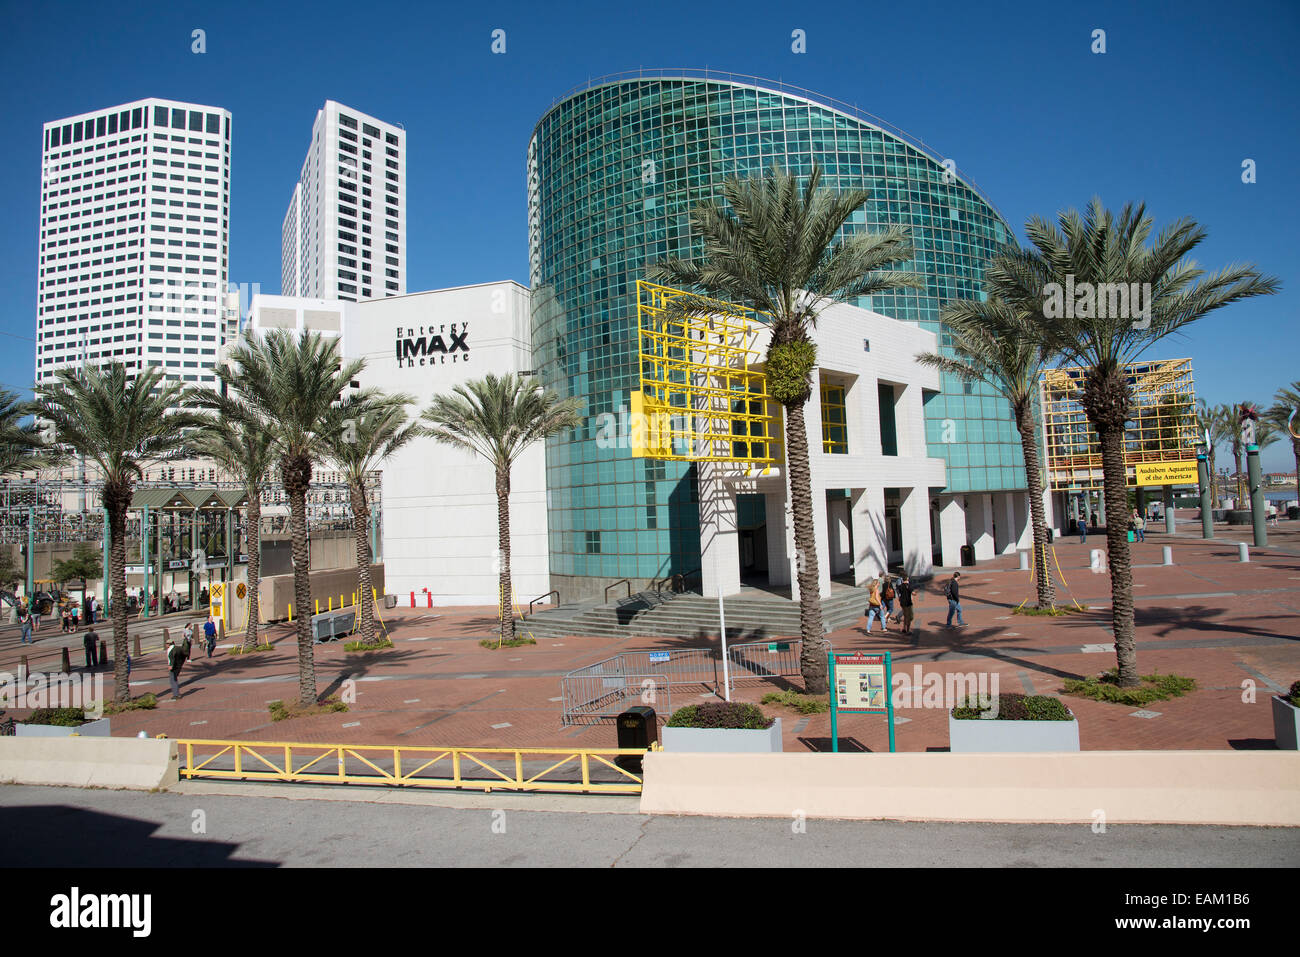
[{"x": 403, "y": 766}]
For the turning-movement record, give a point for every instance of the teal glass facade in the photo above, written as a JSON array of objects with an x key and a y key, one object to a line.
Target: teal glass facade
[{"x": 613, "y": 172}]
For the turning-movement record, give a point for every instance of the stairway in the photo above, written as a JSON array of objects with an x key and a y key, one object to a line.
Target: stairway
[{"x": 751, "y": 615}]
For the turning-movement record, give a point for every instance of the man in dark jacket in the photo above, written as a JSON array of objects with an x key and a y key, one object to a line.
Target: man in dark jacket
[
  {"x": 175, "y": 662},
  {"x": 90, "y": 641},
  {"x": 904, "y": 590},
  {"x": 953, "y": 592}
]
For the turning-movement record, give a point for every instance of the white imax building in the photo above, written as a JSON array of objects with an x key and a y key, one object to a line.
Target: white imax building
[{"x": 870, "y": 464}]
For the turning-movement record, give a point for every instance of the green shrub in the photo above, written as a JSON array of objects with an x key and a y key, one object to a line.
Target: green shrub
[
  {"x": 1014, "y": 707},
  {"x": 1056, "y": 611},
  {"x": 242, "y": 650},
  {"x": 1294, "y": 694},
  {"x": 802, "y": 703},
  {"x": 721, "y": 714},
  {"x": 368, "y": 646},
  {"x": 280, "y": 710},
  {"x": 146, "y": 702},
  {"x": 1105, "y": 687},
  {"x": 513, "y": 643},
  {"x": 58, "y": 717}
]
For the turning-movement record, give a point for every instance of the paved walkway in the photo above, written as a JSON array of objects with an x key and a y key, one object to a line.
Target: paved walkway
[
  {"x": 251, "y": 828},
  {"x": 1231, "y": 626}
]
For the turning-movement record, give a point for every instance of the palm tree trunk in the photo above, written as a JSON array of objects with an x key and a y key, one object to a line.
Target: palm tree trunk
[
  {"x": 116, "y": 501},
  {"x": 1295, "y": 450},
  {"x": 302, "y": 594},
  {"x": 812, "y": 660},
  {"x": 1034, "y": 483},
  {"x": 253, "y": 540},
  {"x": 506, "y": 586},
  {"x": 1115, "y": 486},
  {"x": 360, "y": 528}
]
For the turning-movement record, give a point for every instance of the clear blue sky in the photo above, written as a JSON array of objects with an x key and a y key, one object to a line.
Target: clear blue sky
[{"x": 1185, "y": 92}]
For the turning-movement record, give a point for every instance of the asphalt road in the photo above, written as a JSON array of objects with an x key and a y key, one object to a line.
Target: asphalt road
[{"x": 244, "y": 826}]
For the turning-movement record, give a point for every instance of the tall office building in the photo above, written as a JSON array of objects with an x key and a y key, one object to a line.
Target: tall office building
[
  {"x": 344, "y": 234},
  {"x": 134, "y": 239},
  {"x": 614, "y": 169}
]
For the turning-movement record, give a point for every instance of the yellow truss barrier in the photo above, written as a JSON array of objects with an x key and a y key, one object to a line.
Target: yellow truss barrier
[
  {"x": 1163, "y": 429},
  {"x": 703, "y": 395},
  {"x": 401, "y": 766}
]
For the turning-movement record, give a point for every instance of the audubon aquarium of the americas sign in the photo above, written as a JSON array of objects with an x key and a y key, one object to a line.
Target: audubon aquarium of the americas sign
[{"x": 432, "y": 345}]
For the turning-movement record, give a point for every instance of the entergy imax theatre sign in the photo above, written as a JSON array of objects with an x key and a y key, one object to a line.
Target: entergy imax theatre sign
[{"x": 432, "y": 345}]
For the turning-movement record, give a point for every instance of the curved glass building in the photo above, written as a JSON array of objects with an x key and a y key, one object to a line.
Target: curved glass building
[{"x": 614, "y": 169}]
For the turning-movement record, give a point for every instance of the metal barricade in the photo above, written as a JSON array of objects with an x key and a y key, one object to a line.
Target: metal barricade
[
  {"x": 608, "y": 691},
  {"x": 765, "y": 659}
]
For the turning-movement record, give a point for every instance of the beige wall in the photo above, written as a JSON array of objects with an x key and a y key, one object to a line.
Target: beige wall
[{"x": 1175, "y": 787}]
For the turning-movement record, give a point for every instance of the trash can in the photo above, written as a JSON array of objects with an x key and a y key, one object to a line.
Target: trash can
[
  {"x": 638, "y": 727},
  {"x": 390, "y": 601},
  {"x": 968, "y": 555}
]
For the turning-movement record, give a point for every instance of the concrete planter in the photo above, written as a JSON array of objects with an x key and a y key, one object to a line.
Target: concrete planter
[
  {"x": 990, "y": 736},
  {"x": 723, "y": 740},
  {"x": 1286, "y": 724},
  {"x": 1239, "y": 516},
  {"x": 91, "y": 729}
]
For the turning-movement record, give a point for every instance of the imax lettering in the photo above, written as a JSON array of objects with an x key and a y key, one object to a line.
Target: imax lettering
[
  {"x": 75, "y": 910},
  {"x": 431, "y": 348}
]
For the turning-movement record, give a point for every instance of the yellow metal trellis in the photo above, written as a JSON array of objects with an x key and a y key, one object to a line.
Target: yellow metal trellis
[{"x": 703, "y": 395}]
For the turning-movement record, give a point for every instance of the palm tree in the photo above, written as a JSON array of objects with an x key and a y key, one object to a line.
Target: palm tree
[
  {"x": 124, "y": 423},
  {"x": 238, "y": 440},
  {"x": 1283, "y": 415},
  {"x": 22, "y": 447},
  {"x": 1093, "y": 256},
  {"x": 361, "y": 435},
  {"x": 994, "y": 343},
  {"x": 775, "y": 251},
  {"x": 498, "y": 417},
  {"x": 291, "y": 382}
]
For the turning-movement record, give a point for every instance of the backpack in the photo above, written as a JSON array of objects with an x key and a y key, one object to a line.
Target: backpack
[
  {"x": 947, "y": 589},
  {"x": 186, "y": 645},
  {"x": 889, "y": 590}
]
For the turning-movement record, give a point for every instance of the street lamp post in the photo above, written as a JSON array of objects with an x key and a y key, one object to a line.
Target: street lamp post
[{"x": 1203, "y": 477}]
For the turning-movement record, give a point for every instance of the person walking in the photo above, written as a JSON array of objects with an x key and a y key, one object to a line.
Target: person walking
[
  {"x": 175, "y": 662},
  {"x": 952, "y": 591},
  {"x": 210, "y": 635},
  {"x": 88, "y": 609},
  {"x": 90, "y": 641},
  {"x": 875, "y": 609},
  {"x": 1139, "y": 526},
  {"x": 1083, "y": 529},
  {"x": 25, "y": 622},
  {"x": 905, "y": 602},
  {"x": 36, "y": 614},
  {"x": 65, "y": 613},
  {"x": 887, "y": 596}
]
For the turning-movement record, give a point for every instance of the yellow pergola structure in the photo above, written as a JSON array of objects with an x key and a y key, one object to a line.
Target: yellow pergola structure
[
  {"x": 1160, "y": 448},
  {"x": 703, "y": 395}
]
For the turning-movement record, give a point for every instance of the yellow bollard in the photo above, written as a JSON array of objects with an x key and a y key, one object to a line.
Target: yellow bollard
[
  {"x": 291, "y": 612},
  {"x": 340, "y": 601},
  {"x": 329, "y": 603},
  {"x": 318, "y": 606}
]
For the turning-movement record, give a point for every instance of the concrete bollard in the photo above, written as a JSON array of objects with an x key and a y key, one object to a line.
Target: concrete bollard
[
  {"x": 135, "y": 645},
  {"x": 66, "y": 665},
  {"x": 1168, "y": 555},
  {"x": 103, "y": 652},
  {"x": 1243, "y": 552},
  {"x": 1024, "y": 561},
  {"x": 167, "y": 636},
  {"x": 22, "y": 668}
]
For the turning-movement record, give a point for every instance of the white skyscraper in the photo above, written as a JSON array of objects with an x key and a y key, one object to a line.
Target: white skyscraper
[
  {"x": 134, "y": 239},
  {"x": 344, "y": 234}
]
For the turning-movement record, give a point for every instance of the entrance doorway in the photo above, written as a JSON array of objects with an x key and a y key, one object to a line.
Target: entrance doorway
[{"x": 751, "y": 524}]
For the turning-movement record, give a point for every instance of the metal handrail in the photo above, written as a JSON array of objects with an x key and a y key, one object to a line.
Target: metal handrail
[
  {"x": 621, "y": 581},
  {"x": 679, "y": 578},
  {"x": 485, "y": 769},
  {"x": 553, "y": 591}
]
